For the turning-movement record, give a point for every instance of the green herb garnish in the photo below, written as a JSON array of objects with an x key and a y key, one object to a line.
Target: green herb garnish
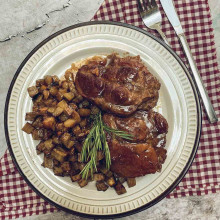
[{"x": 96, "y": 141}]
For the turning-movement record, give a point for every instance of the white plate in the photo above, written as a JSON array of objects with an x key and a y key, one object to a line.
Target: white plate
[{"x": 178, "y": 103}]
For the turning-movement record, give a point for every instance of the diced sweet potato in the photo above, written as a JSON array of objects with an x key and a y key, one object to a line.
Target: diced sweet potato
[
  {"x": 33, "y": 90},
  {"x": 131, "y": 182},
  {"x": 56, "y": 140},
  {"x": 48, "y": 162},
  {"x": 38, "y": 122},
  {"x": 58, "y": 171},
  {"x": 59, "y": 154},
  {"x": 28, "y": 128},
  {"x": 66, "y": 166},
  {"x": 62, "y": 104},
  {"x": 39, "y": 82},
  {"x": 63, "y": 117},
  {"x": 72, "y": 87},
  {"x": 59, "y": 96},
  {"x": 49, "y": 123},
  {"x": 69, "y": 95},
  {"x": 42, "y": 110},
  {"x": 119, "y": 188},
  {"x": 83, "y": 182},
  {"x": 77, "y": 130},
  {"x": 101, "y": 186},
  {"x": 49, "y": 144},
  {"x": 98, "y": 176},
  {"x": 84, "y": 112},
  {"x": 69, "y": 123},
  {"x": 30, "y": 116},
  {"x": 76, "y": 177},
  {"x": 58, "y": 111},
  {"x": 56, "y": 80},
  {"x": 69, "y": 75},
  {"x": 65, "y": 85}
]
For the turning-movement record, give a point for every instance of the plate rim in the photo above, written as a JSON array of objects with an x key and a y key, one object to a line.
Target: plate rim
[{"x": 197, "y": 138}]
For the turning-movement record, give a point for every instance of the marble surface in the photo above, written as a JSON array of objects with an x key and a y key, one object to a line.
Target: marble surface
[{"x": 24, "y": 24}]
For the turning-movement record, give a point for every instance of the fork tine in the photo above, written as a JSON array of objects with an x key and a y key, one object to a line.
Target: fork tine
[
  {"x": 154, "y": 4},
  {"x": 146, "y": 4},
  {"x": 140, "y": 6}
]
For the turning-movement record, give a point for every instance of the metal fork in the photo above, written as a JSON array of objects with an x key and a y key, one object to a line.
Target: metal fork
[{"x": 151, "y": 16}]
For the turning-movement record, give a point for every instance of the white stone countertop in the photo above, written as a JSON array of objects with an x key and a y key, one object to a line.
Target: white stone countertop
[{"x": 23, "y": 25}]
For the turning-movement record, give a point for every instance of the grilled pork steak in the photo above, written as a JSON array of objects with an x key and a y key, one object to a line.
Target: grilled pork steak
[
  {"x": 122, "y": 86},
  {"x": 144, "y": 154}
]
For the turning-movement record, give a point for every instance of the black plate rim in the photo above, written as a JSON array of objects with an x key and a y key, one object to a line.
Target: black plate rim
[{"x": 196, "y": 143}]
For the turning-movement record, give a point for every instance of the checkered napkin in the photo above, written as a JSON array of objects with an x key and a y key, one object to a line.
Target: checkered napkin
[{"x": 16, "y": 197}]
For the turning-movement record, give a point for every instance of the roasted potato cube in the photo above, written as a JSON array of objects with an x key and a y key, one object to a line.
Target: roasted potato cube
[
  {"x": 121, "y": 179},
  {"x": 38, "y": 122},
  {"x": 63, "y": 117},
  {"x": 49, "y": 144},
  {"x": 39, "y": 82},
  {"x": 28, "y": 128},
  {"x": 69, "y": 75},
  {"x": 119, "y": 188},
  {"x": 73, "y": 158},
  {"x": 30, "y": 116},
  {"x": 49, "y": 123},
  {"x": 81, "y": 166},
  {"x": 58, "y": 171},
  {"x": 84, "y": 112},
  {"x": 68, "y": 111},
  {"x": 83, "y": 182},
  {"x": 32, "y": 91},
  {"x": 111, "y": 181},
  {"x": 76, "y": 116},
  {"x": 76, "y": 177},
  {"x": 62, "y": 104},
  {"x": 42, "y": 110},
  {"x": 72, "y": 87},
  {"x": 47, "y": 134},
  {"x": 51, "y": 110},
  {"x": 65, "y": 138},
  {"x": 70, "y": 144},
  {"x": 94, "y": 110},
  {"x": 59, "y": 126},
  {"x": 53, "y": 90},
  {"x": 48, "y": 162},
  {"x": 78, "y": 147},
  {"x": 42, "y": 88},
  {"x": 38, "y": 134},
  {"x": 46, "y": 94},
  {"x": 56, "y": 162},
  {"x": 58, "y": 111},
  {"x": 59, "y": 154},
  {"x": 107, "y": 172},
  {"x": 38, "y": 99},
  {"x": 56, "y": 80},
  {"x": 98, "y": 176},
  {"x": 77, "y": 130},
  {"x": 131, "y": 182},
  {"x": 83, "y": 123},
  {"x": 40, "y": 147},
  {"x": 65, "y": 85},
  {"x": 48, "y": 80},
  {"x": 56, "y": 140},
  {"x": 100, "y": 155},
  {"x": 101, "y": 186},
  {"x": 59, "y": 96},
  {"x": 66, "y": 166},
  {"x": 69, "y": 123},
  {"x": 69, "y": 95}
]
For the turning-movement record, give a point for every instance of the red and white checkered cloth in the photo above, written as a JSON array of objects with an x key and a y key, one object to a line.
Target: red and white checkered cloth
[{"x": 18, "y": 200}]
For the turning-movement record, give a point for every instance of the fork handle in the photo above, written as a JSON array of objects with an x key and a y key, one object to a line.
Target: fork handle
[
  {"x": 198, "y": 80},
  {"x": 158, "y": 28}
]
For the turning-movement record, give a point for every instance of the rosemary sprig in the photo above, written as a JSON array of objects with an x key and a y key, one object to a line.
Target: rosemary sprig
[{"x": 96, "y": 141}]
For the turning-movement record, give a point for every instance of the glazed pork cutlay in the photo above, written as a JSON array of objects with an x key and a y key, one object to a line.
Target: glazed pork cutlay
[{"x": 98, "y": 124}]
